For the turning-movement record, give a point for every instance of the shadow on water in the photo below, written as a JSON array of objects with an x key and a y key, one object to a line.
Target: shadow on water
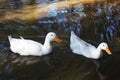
[{"x": 94, "y": 23}]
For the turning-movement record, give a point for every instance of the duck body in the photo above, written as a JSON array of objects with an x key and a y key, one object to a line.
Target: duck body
[
  {"x": 78, "y": 46},
  {"x": 29, "y": 47}
]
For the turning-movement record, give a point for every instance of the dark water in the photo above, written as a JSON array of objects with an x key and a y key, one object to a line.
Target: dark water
[{"x": 100, "y": 24}]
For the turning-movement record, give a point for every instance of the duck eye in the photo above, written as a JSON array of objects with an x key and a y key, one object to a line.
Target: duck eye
[
  {"x": 51, "y": 34},
  {"x": 103, "y": 45}
]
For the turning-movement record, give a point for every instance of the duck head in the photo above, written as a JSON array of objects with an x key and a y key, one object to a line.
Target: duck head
[
  {"x": 53, "y": 37},
  {"x": 104, "y": 46}
]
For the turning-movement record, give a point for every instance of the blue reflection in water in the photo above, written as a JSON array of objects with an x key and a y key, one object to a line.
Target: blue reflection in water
[
  {"x": 2, "y": 46},
  {"x": 102, "y": 37},
  {"x": 8, "y": 68},
  {"x": 98, "y": 10},
  {"x": 110, "y": 32},
  {"x": 60, "y": 18},
  {"x": 3, "y": 59},
  {"x": 78, "y": 31}
]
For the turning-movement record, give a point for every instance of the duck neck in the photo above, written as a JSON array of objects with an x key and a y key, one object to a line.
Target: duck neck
[
  {"x": 47, "y": 43},
  {"x": 98, "y": 51}
]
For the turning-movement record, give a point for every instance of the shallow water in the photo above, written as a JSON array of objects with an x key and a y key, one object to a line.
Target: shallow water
[{"x": 62, "y": 64}]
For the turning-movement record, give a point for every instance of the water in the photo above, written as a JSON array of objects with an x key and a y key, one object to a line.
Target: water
[{"x": 93, "y": 22}]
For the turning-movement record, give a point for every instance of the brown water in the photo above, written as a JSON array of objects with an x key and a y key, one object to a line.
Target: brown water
[{"x": 62, "y": 64}]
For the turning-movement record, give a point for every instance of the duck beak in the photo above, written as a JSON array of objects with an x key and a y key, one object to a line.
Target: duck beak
[
  {"x": 108, "y": 51},
  {"x": 57, "y": 39}
]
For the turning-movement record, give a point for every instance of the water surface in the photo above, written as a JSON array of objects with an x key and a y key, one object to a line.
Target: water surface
[{"x": 93, "y": 22}]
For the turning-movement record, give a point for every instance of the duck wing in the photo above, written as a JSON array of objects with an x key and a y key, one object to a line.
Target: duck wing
[
  {"x": 25, "y": 46},
  {"x": 79, "y": 46}
]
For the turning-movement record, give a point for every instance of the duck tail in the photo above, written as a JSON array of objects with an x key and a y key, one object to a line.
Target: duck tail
[
  {"x": 72, "y": 32},
  {"x": 9, "y": 38},
  {"x": 21, "y": 37},
  {"x": 73, "y": 35}
]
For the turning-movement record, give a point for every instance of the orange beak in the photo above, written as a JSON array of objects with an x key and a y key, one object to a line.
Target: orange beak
[
  {"x": 108, "y": 51},
  {"x": 57, "y": 39}
]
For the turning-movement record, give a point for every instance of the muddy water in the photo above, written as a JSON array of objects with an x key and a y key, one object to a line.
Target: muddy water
[{"x": 62, "y": 64}]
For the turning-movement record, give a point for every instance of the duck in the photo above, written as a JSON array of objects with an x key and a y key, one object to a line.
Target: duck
[
  {"x": 30, "y": 47},
  {"x": 81, "y": 47}
]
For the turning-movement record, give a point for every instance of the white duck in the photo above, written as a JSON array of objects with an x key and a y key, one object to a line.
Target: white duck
[
  {"x": 29, "y": 47},
  {"x": 81, "y": 47}
]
